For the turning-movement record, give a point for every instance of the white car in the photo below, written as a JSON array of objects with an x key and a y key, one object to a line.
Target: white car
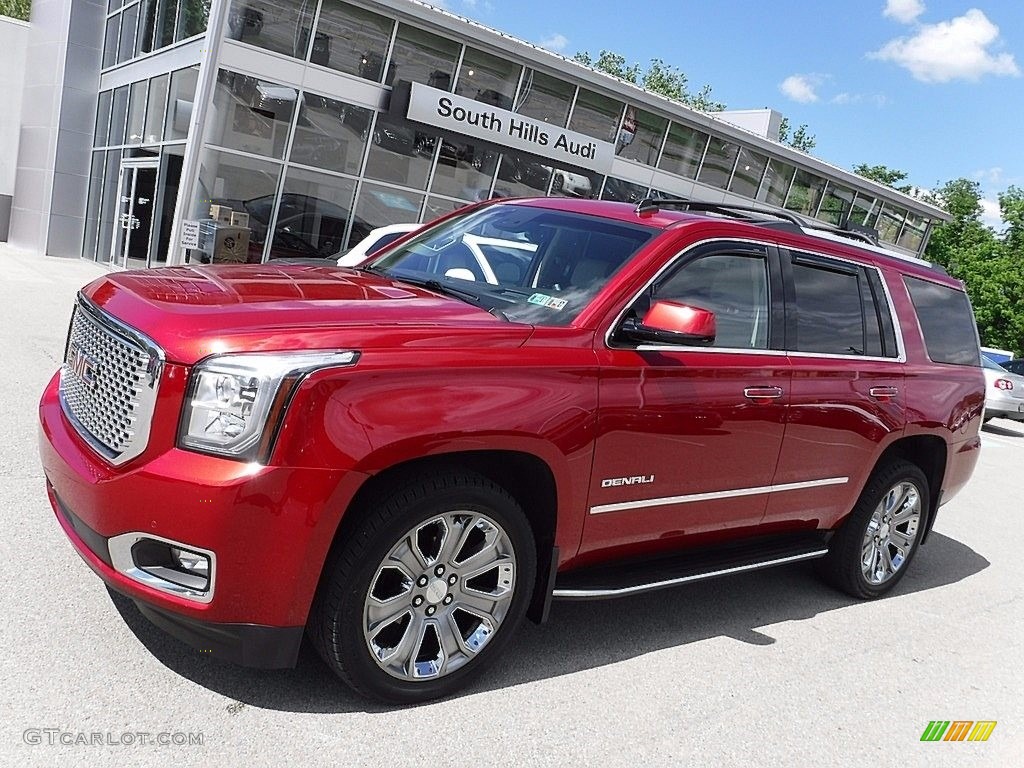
[
  {"x": 568, "y": 183},
  {"x": 373, "y": 242},
  {"x": 1004, "y": 392}
]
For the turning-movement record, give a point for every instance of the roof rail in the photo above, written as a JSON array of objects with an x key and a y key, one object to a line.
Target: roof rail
[{"x": 802, "y": 223}]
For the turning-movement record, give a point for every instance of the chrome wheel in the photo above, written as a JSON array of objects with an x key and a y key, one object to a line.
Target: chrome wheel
[
  {"x": 891, "y": 533},
  {"x": 439, "y": 596}
]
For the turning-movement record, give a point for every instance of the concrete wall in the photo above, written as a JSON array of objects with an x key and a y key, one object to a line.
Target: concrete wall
[
  {"x": 62, "y": 64},
  {"x": 14, "y": 36}
]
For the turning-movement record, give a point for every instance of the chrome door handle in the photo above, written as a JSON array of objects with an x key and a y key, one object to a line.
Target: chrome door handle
[
  {"x": 883, "y": 393},
  {"x": 763, "y": 393}
]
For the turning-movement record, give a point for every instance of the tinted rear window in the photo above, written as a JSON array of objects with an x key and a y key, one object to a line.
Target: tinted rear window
[{"x": 946, "y": 321}]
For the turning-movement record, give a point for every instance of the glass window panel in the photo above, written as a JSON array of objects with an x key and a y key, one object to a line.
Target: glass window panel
[
  {"x": 546, "y": 98},
  {"x": 749, "y": 169},
  {"x": 242, "y": 184},
  {"x": 777, "y": 179},
  {"x": 520, "y": 175},
  {"x": 167, "y": 14},
  {"x": 118, "y": 115},
  {"x": 400, "y": 153},
  {"x": 137, "y": 112},
  {"x": 110, "y": 41},
  {"x": 155, "y": 109},
  {"x": 352, "y": 40},
  {"x": 641, "y": 136},
  {"x": 805, "y": 194},
  {"x": 421, "y": 57},
  {"x": 92, "y": 210},
  {"x": 147, "y": 25},
  {"x": 836, "y": 205},
  {"x": 830, "y": 314},
  {"x": 312, "y": 215},
  {"x": 171, "y": 161},
  {"x": 379, "y": 206},
  {"x": 436, "y": 207},
  {"x": 596, "y": 115},
  {"x": 179, "y": 103},
  {"x": 102, "y": 131},
  {"x": 575, "y": 182},
  {"x": 464, "y": 170},
  {"x": 684, "y": 150},
  {"x": 109, "y": 204},
  {"x": 913, "y": 232},
  {"x": 129, "y": 22},
  {"x": 623, "y": 191},
  {"x": 865, "y": 210},
  {"x": 112, "y": 4},
  {"x": 281, "y": 26},
  {"x": 192, "y": 18},
  {"x": 330, "y": 134},
  {"x": 490, "y": 79},
  {"x": 718, "y": 163},
  {"x": 250, "y": 114},
  {"x": 945, "y": 316},
  {"x": 890, "y": 222}
]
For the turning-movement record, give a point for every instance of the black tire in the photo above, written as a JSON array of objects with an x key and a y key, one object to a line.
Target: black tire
[
  {"x": 843, "y": 567},
  {"x": 336, "y": 625}
]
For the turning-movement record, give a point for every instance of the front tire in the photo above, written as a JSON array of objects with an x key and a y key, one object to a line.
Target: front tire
[
  {"x": 870, "y": 553},
  {"x": 427, "y": 590}
]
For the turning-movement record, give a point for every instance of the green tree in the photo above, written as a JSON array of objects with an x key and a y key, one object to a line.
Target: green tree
[
  {"x": 801, "y": 139},
  {"x": 661, "y": 78},
  {"x": 883, "y": 174},
  {"x": 16, "y": 9}
]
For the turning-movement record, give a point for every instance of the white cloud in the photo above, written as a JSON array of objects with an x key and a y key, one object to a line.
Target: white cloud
[
  {"x": 991, "y": 215},
  {"x": 957, "y": 49},
  {"x": 903, "y": 11},
  {"x": 554, "y": 42},
  {"x": 469, "y": 3},
  {"x": 801, "y": 88},
  {"x": 991, "y": 177},
  {"x": 874, "y": 99}
]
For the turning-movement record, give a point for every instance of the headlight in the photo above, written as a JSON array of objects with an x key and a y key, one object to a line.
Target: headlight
[{"x": 236, "y": 402}]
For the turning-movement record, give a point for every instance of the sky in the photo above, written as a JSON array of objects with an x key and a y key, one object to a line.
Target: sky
[{"x": 934, "y": 88}]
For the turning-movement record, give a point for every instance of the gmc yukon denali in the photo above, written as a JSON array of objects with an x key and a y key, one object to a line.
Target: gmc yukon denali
[{"x": 526, "y": 401}]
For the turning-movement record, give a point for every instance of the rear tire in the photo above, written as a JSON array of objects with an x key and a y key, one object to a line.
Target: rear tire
[
  {"x": 872, "y": 550},
  {"x": 427, "y": 590}
]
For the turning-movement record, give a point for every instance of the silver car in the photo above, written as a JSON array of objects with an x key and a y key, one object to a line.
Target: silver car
[{"x": 1004, "y": 392}]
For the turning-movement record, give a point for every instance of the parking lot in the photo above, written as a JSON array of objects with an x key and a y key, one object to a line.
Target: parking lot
[{"x": 770, "y": 668}]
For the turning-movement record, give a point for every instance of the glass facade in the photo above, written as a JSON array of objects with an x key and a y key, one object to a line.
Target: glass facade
[{"x": 314, "y": 168}]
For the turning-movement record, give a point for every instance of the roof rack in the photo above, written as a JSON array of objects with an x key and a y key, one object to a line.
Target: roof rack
[{"x": 783, "y": 219}]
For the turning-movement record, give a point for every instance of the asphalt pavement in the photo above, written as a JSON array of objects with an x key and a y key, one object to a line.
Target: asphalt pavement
[{"x": 765, "y": 669}]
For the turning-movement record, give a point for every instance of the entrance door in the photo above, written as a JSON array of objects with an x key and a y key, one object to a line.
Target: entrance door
[{"x": 134, "y": 226}]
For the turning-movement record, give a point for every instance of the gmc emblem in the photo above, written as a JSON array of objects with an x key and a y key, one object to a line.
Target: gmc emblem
[{"x": 80, "y": 364}]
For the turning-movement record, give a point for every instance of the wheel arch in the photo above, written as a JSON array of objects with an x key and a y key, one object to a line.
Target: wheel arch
[{"x": 930, "y": 453}]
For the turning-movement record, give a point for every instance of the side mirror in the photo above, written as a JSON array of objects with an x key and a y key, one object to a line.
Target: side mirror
[{"x": 669, "y": 322}]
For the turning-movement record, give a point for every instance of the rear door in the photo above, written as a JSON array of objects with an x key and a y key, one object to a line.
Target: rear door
[
  {"x": 688, "y": 436},
  {"x": 847, "y": 393}
]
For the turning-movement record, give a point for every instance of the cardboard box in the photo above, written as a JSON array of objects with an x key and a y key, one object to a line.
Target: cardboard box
[{"x": 220, "y": 213}]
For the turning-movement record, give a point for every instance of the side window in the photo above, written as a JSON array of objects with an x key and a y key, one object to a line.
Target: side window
[
  {"x": 829, "y": 307},
  {"x": 947, "y": 322},
  {"x": 732, "y": 285}
]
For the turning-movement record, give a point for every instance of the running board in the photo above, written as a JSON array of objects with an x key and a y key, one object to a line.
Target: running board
[{"x": 632, "y": 578}]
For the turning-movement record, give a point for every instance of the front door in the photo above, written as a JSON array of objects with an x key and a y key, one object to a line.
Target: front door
[
  {"x": 689, "y": 437},
  {"x": 134, "y": 226}
]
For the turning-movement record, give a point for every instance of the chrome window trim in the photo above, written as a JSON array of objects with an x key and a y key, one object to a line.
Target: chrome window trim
[
  {"x": 901, "y": 356},
  {"x": 713, "y": 495},
  {"x": 147, "y": 395},
  {"x": 120, "y": 548}
]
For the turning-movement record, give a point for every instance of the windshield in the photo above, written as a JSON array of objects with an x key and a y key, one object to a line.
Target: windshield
[
  {"x": 526, "y": 264},
  {"x": 992, "y": 365}
]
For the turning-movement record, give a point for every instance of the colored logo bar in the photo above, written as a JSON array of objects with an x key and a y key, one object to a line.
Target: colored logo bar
[{"x": 958, "y": 730}]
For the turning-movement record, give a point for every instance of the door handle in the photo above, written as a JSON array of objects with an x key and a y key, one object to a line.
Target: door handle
[
  {"x": 763, "y": 393},
  {"x": 883, "y": 393}
]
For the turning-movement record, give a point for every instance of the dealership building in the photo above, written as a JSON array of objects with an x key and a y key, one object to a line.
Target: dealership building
[{"x": 155, "y": 131}]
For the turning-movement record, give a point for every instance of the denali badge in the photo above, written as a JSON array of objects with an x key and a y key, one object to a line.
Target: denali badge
[
  {"x": 611, "y": 482},
  {"x": 83, "y": 366}
]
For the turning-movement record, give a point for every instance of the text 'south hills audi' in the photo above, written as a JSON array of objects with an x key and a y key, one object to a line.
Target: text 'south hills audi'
[{"x": 527, "y": 401}]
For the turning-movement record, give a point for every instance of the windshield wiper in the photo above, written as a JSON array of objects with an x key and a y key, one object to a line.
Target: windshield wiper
[{"x": 438, "y": 287}]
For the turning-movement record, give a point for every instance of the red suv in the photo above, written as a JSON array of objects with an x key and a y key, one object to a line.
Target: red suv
[{"x": 525, "y": 401}]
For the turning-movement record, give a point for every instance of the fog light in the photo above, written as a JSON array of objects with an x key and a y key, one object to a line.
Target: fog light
[{"x": 172, "y": 563}]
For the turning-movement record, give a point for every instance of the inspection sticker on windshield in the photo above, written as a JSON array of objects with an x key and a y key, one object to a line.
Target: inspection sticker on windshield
[{"x": 544, "y": 300}]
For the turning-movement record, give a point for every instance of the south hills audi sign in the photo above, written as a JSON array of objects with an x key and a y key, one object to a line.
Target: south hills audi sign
[{"x": 475, "y": 119}]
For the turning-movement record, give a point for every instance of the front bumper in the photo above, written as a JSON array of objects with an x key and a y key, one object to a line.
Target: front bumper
[{"x": 270, "y": 528}]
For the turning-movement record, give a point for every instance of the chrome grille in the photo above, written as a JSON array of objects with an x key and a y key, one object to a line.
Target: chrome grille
[{"x": 108, "y": 383}]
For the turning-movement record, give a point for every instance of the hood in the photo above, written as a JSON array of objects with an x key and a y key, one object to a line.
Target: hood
[{"x": 196, "y": 311}]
